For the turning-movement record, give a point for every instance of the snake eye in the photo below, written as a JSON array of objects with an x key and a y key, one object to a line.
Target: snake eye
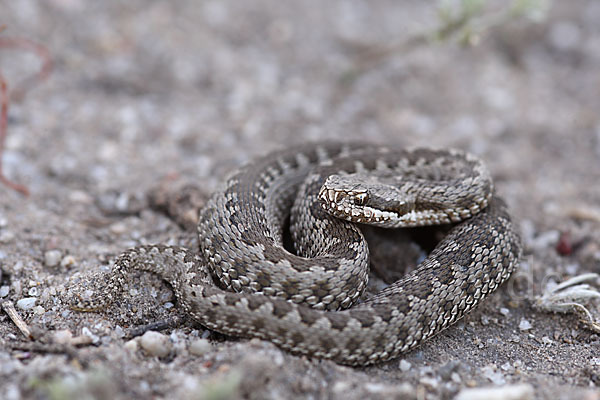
[{"x": 360, "y": 199}]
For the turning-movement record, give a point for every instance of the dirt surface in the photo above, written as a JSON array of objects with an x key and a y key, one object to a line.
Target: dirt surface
[{"x": 150, "y": 94}]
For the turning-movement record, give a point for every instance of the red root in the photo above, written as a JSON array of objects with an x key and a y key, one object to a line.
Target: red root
[{"x": 19, "y": 92}]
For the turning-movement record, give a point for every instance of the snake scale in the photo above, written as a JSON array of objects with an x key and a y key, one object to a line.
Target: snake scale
[{"x": 245, "y": 282}]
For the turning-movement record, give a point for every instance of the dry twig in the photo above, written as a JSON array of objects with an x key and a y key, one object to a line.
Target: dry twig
[{"x": 9, "y": 309}]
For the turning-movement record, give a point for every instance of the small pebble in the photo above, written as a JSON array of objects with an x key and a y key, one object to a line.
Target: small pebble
[
  {"x": 6, "y": 236},
  {"x": 205, "y": 334},
  {"x": 455, "y": 377},
  {"x": 52, "y": 258},
  {"x": 16, "y": 286},
  {"x": 200, "y": 347},
  {"x": 86, "y": 331},
  {"x": 4, "y": 290},
  {"x": 62, "y": 336},
  {"x": 376, "y": 388},
  {"x": 504, "y": 311},
  {"x": 39, "y": 310},
  {"x": 131, "y": 345},
  {"x": 430, "y": 383},
  {"x": 119, "y": 332},
  {"x": 524, "y": 325},
  {"x": 341, "y": 387},
  {"x": 67, "y": 261},
  {"x": 426, "y": 370},
  {"x": 405, "y": 366},
  {"x": 507, "y": 367},
  {"x": 156, "y": 343},
  {"x": 496, "y": 377},
  {"x": 175, "y": 337},
  {"x": 446, "y": 370},
  {"x": 547, "y": 341},
  {"x": 26, "y": 303},
  {"x": 118, "y": 228},
  {"x": 78, "y": 196},
  {"x": 508, "y": 392},
  {"x": 18, "y": 266}
]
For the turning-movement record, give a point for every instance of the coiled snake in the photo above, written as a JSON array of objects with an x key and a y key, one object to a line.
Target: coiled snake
[{"x": 300, "y": 302}]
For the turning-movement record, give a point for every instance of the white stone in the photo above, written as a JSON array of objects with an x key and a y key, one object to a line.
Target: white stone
[
  {"x": 52, "y": 258},
  {"x": 26, "y": 303},
  {"x": 547, "y": 341},
  {"x": 67, "y": 261},
  {"x": 405, "y": 366},
  {"x": 62, "y": 336},
  {"x": 200, "y": 347},
  {"x": 119, "y": 332},
  {"x": 524, "y": 325},
  {"x": 341, "y": 386},
  {"x": 496, "y": 377},
  {"x": 508, "y": 392},
  {"x": 6, "y": 236},
  {"x": 156, "y": 343},
  {"x": 455, "y": 377},
  {"x": 87, "y": 332},
  {"x": 131, "y": 345},
  {"x": 506, "y": 367}
]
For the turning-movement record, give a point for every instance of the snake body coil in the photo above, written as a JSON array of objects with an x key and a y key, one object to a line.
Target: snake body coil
[{"x": 301, "y": 302}]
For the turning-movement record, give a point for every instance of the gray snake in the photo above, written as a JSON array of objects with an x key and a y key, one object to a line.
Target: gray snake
[{"x": 245, "y": 282}]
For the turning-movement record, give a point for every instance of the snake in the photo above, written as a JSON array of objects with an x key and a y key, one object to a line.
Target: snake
[{"x": 247, "y": 280}]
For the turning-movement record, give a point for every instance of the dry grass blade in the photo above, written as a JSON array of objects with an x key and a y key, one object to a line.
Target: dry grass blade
[{"x": 570, "y": 296}]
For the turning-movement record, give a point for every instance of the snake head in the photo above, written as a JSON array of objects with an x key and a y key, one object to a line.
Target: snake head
[{"x": 365, "y": 199}]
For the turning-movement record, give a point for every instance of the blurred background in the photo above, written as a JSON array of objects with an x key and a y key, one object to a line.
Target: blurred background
[{"x": 206, "y": 85}]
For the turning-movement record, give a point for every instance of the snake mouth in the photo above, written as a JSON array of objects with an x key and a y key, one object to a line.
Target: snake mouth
[
  {"x": 352, "y": 206},
  {"x": 360, "y": 207}
]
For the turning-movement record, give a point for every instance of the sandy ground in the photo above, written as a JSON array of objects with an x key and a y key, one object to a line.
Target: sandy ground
[{"x": 148, "y": 94}]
